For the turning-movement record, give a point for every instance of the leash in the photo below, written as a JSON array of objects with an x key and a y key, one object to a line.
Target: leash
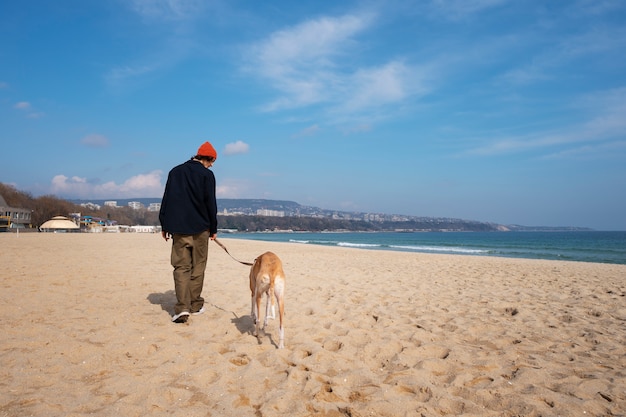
[{"x": 226, "y": 250}]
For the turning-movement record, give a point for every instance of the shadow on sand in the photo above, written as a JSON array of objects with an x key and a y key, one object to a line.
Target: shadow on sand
[{"x": 167, "y": 300}]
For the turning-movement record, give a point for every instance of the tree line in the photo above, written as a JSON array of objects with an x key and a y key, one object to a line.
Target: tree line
[{"x": 48, "y": 206}]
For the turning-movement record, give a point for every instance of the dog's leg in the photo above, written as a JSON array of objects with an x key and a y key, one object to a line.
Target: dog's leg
[
  {"x": 253, "y": 312},
  {"x": 258, "y": 300},
  {"x": 281, "y": 328},
  {"x": 253, "y": 273},
  {"x": 271, "y": 299},
  {"x": 267, "y": 306},
  {"x": 279, "y": 293}
]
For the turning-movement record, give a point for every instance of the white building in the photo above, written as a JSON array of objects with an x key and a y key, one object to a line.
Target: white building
[
  {"x": 135, "y": 205},
  {"x": 271, "y": 213},
  {"x": 144, "y": 229}
]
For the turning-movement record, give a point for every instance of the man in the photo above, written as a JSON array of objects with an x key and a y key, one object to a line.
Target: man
[{"x": 189, "y": 216}]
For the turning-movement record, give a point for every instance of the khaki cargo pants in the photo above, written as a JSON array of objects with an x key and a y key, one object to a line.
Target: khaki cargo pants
[{"x": 189, "y": 259}]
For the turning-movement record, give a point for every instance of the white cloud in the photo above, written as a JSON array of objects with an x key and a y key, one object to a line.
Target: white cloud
[
  {"x": 300, "y": 61},
  {"x": 378, "y": 86},
  {"x": 168, "y": 9},
  {"x": 235, "y": 148},
  {"x": 307, "y": 131},
  {"x": 22, "y": 105},
  {"x": 457, "y": 9},
  {"x": 607, "y": 114},
  {"x": 236, "y": 188},
  {"x": 62, "y": 180},
  {"x": 26, "y": 107},
  {"x": 603, "y": 122},
  {"x": 95, "y": 141},
  {"x": 142, "y": 185},
  {"x": 586, "y": 7},
  {"x": 359, "y": 128},
  {"x": 527, "y": 74},
  {"x": 141, "y": 182},
  {"x": 313, "y": 42},
  {"x": 615, "y": 149},
  {"x": 119, "y": 75},
  {"x": 317, "y": 63},
  {"x": 558, "y": 53},
  {"x": 174, "y": 38}
]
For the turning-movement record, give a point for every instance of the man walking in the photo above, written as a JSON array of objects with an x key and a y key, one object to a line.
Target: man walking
[{"x": 189, "y": 216}]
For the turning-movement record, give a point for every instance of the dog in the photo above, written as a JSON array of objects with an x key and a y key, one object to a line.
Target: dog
[{"x": 267, "y": 277}]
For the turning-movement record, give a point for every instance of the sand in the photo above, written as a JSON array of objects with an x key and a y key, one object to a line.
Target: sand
[{"x": 86, "y": 330}]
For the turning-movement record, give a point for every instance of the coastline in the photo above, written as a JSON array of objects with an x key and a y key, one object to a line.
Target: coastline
[
  {"x": 388, "y": 333},
  {"x": 586, "y": 246}
]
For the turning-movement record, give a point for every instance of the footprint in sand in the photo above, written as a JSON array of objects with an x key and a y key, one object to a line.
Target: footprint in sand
[
  {"x": 333, "y": 345},
  {"x": 240, "y": 360}
]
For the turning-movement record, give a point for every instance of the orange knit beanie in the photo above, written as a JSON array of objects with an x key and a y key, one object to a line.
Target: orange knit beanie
[{"x": 206, "y": 149}]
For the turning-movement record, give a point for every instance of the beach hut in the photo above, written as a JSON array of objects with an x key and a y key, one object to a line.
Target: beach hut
[{"x": 59, "y": 224}]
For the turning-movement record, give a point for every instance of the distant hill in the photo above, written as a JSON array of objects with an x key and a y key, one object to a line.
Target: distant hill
[
  {"x": 287, "y": 214},
  {"x": 258, "y": 215},
  {"x": 120, "y": 201},
  {"x": 244, "y": 205}
]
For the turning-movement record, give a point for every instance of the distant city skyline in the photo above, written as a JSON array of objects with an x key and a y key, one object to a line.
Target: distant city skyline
[
  {"x": 492, "y": 110},
  {"x": 285, "y": 208}
]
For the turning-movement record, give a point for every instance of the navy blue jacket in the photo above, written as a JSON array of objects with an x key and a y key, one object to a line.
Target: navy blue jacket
[{"x": 189, "y": 205}]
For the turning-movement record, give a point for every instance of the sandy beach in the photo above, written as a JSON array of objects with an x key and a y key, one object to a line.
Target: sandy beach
[{"x": 86, "y": 330}]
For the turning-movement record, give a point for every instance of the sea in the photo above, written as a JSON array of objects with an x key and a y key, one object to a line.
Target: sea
[{"x": 581, "y": 246}]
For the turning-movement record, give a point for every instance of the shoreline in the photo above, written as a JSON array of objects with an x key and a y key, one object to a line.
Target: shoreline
[
  {"x": 602, "y": 247},
  {"x": 88, "y": 331},
  {"x": 365, "y": 247}
]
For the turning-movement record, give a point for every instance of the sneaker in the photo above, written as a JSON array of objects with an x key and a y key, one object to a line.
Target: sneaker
[
  {"x": 197, "y": 313},
  {"x": 181, "y": 317}
]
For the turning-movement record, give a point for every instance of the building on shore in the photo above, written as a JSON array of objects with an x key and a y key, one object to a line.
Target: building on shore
[
  {"x": 59, "y": 224},
  {"x": 13, "y": 217}
]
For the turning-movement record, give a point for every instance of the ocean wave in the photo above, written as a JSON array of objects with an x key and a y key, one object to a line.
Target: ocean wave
[
  {"x": 359, "y": 245},
  {"x": 604, "y": 247},
  {"x": 313, "y": 242},
  {"x": 438, "y": 249},
  {"x": 417, "y": 248},
  {"x": 299, "y": 241}
]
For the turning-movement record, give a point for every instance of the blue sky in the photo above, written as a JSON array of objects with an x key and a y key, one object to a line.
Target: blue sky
[{"x": 505, "y": 111}]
